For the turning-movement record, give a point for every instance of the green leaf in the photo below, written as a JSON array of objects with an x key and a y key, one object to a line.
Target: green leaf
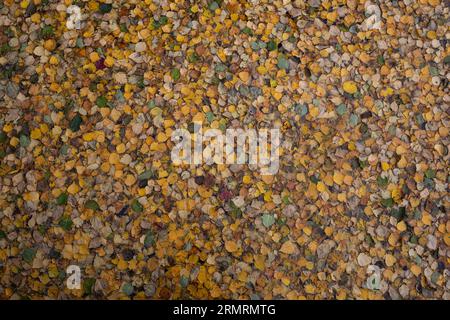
[
  {"x": 210, "y": 116},
  {"x": 255, "y": 46},
  {"x": 62, "y": 198},
  {"x": 123, "y": 27},
  {"x": 434, "y": 71},
  {"x": 236, "y": 212},
  {"x": 417, "y": 215},
  {"x": 29, "y": 254},
  {"x": 193, "y": 58},
  {"x": 413, "y": 239},
  {"x": 213, "y": 6},
  {"x": 47, "y": 31},
  {"x": 388, "y": 203},
  {"x": 447, "y": 59},
  {"x": 301, "y": 109},
  {"x": 281, "y": 221},
  {"x": 105, "y": 8},
  {"x": 184, "y": 281},
  {"x": 175, "y": 74},
  {"x": 4, "y": 48},
  {"x": 268, "y": 220},
  {"x": 283, "y": 63},
  {"x": 151, "y": 104},
  {"x": 3, "y": 137},
  {"x": 92, "y": 204},
  {"x": 420, "y": 119},
  {"x": 88, "y": 284},
  {"x": 149, "y": 239},
  {"x": 2, "y": 234},
  {"x": 42, "y": 229},
  {"x": 382, "y": 182},
  {"x": 286, "y": 200},
  {"x": 399, "y": 213},
  {"x": 147, "y": 174},
  {"x": 271, "y": 45},
  {"x": 136, "y": 206},
  {"x": 220, "y": 67},
  {"x": 101, "y": 102},
  {"x": 75, "y": 123},
  {"x": 141, "y": 83},
  {"x": 64, "y": 149},
  {"x": 66, "y": 223},
  {"x": 93, "y": 86},
  {"x": 314, "y": 179},
  {"x": 354, "y": 119},
  {"x": 428, "y": 183},
  {"x": 363, "y": 163},
  {"x": 430, "y": 174},
  {"x": 369, "y": 240},
  {"x": 128, "y": 289},
  {"x": 341, "y": 109},
  {"x": 24, "y": 140},
  {"x": 247, "y": 31},
  {"x": 80, "y": 43},
  {"x": 163, "y": 20}
]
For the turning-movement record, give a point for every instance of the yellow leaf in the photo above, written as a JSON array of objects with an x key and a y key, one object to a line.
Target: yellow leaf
[
  {"x": 401, "y": 226},
  {"x": 202, "y": 275},
  {"x": 186, "y": 204},
  {"x": 260, "y": 262},
  {"x": 416, "y": 270},
  {"x": 261, "y": 69},
  {"x": 231, "y": 246},
  {"x": 120, "y": 148},
  {"x": 35, "y": 134},
  {"x": 310, "y": 289},
  {"x": 390, "y": 260},
  {"x": 286, "y": 281},
  {"x": 288, "y": 247},
  {"x": 73, "y": 188},
  {"x": 447, "y": 239},
  {"x": 31, "y": 196},
  {"x": 244, "y": 76},
  {"x": 122, "y": 265},
  {"x": 396, "y": 195},
  {"x": 321, "y": 186},
  {"x": 246, "y": 179},
  {"x": 109, "y": 61},
  {"x": 89, "y": 136},
  {"x": 338, "y": 178},
  {"x": 350, "y": 87},
  {"x": 114, "y": 158}
]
